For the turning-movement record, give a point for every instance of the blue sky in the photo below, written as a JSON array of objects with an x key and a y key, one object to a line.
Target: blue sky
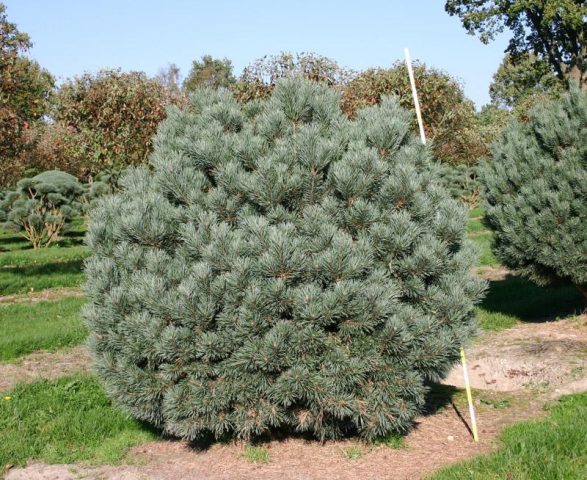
[{"x": 74, "y": 36}]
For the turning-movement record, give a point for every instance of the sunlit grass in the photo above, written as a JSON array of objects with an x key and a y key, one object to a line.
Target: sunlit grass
[
  {"x": 48, "y": 325},
  {"x": 65, "y": 421},
  {"x": 554, "y": 448},
  {"x": 23, "y": 269}
]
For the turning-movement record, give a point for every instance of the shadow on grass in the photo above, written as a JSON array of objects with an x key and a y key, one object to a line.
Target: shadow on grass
[
  {"x": 6, "y": 239},
  {"x": 23, "y": 278},
  {"x": 56, "y": 268},
  {"x": 13, "y": 242},
  {"x": 74, "y": 240},
  {"x": 529, "y": 302},
  {"x": 18, "y": 243}
]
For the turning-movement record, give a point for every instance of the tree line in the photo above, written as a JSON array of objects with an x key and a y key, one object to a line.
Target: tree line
[{"x": 105, "y": 121}]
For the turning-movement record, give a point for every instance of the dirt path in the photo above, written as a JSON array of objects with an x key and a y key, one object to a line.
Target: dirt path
[
  {"x": 48, "y": 365},
  {"x": 541, "y": 356},
  {"x": 490, "y": 273},
  {"x": 516, "y": 370},
  {"x": 42, "y": 295}
]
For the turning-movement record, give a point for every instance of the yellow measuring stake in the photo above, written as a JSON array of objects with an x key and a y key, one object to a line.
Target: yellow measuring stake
[
  {"x": 469, "y": 396},
  {"x": 423, "y": 139}
]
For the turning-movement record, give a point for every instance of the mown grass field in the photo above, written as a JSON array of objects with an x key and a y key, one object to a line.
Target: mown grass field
[
  {"x": 482, "y": 237},
  {"x": 23, "y": 269},
  {"x": 64, "y": 421},
  {"x": 28, "y": 327},
  {"x": 71, "y": 419},
  {"x": 553, "y": 448}
]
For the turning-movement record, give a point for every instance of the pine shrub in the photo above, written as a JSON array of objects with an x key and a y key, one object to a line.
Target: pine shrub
[
  {"x": 535, "y": 190},
  {"x": 280, "y": 266},
  {"x": 461, "y": 182},
  {"x": 41, "y": 207}
]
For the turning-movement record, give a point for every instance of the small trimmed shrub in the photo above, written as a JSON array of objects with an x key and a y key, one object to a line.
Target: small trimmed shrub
[
  {"x": 281, "y": 266},
  {"x": 461, "y": 181},
  {"x": 41, "y": 207},
  {"x": 535, "y": 190},
  {"x": 103, "y": 183}
]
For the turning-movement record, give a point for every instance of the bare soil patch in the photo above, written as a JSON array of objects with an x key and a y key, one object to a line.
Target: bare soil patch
[
  {"x": 42, "y": 295},
  {"x": 44, "y": 365},
  {"x": 493, "y": 274},
  {"x": 539, "y": 356}
]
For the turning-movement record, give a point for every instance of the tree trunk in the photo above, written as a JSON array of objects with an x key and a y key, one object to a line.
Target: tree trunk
[{"x": 576, "y": 75}]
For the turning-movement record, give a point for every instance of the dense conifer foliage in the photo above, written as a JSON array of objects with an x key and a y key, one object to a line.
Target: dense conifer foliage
[
  {"x": 279, "y": 266},
  {"x": 535, "y": 188}
]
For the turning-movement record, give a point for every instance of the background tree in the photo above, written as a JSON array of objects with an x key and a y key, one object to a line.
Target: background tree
[
  {"x": 279, "y": 267},
  {"x": 41, "y": 207},
  {"x": 490, "y": 122},
  {"x": 102, "y": 121},
  {"x": 209, "y": 72},
  {"x": 535, "y": 190},
  {"x": 449, "y": 117},
  {"x": 553, "y": 30},
  {"x": 517, "y": 80},
  {"x": 170, "y": 78},
  {"x": 24, "y": 91},
  {"x": 259, "y": 78}
]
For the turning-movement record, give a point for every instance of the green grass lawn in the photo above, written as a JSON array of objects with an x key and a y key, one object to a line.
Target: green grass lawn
[
  {"x": 482, "y": 237},
  {"x": 515, "y": 300},
  {"x": 60, "y": 265},
  {"x": 476, "y": 212},
  {"x": 63, "y": 421},
  {"x": 475, "y": 224},
  {"x": 554, "y": 448},
  {"x": 483, "y": 241},
  {"x": 48, "y": 325}
]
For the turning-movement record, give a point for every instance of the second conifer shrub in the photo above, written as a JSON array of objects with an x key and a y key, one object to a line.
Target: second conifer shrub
[
  {"x": 535, "y": 191},
  {"x": 280, "y": 266}
]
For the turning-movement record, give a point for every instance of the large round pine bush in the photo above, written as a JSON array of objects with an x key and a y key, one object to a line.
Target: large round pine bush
[
  {"x": 535, "y": 190},
  {"x": 279, "y": 267}
]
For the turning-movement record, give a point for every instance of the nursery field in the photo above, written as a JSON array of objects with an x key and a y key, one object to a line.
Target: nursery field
[
  {"x": 527, "y": 368},
  {"x": 270, "y": 274}
]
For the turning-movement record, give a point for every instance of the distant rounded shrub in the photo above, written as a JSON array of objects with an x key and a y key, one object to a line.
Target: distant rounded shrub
[
  {"x": 535, "y": 190},
  {"x": 41, "y": 207},
  {"x": 461, "y": 182},
  {"x": 281, "y": 266}
]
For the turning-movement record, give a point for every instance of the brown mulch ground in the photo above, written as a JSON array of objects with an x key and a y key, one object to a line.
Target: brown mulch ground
[
  {"x": 437, "y": 440},
  {"x": 543, "y": 356}
]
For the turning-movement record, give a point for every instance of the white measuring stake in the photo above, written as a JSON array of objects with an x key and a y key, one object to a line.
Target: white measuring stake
[
  {"x": 415, "y": 95},
  {"x": 423, "y": 138}
]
